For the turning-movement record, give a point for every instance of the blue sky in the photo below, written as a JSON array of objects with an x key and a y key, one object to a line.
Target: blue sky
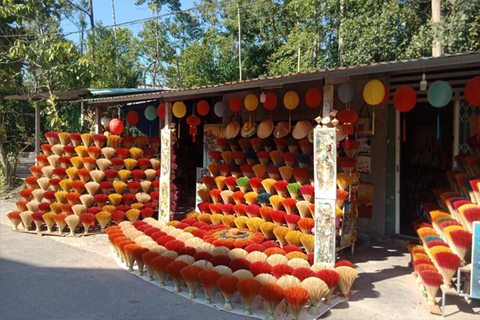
[{"x": 125, "y": 10}]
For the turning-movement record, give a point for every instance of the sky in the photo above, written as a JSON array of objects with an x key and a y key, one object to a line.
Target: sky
[{"x": 125, "y": 10}]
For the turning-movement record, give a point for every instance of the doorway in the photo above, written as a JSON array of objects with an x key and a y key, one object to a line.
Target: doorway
[{"x": 425, "y": 155}]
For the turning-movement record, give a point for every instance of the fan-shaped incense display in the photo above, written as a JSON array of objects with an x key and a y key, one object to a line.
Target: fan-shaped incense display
[
  {"x": 259, "y": 170},
  {"x": 277, "y": 157},
  {"x": 100, "y": 140},
  {"x": 124, "y": 175},
  {"x": 227, "y": 285},
  {"x": 58, "y": 150},
  {"x": 72, "y": 221},
  {"x": 347, "y": 277},
  {"x": 308, "y": 242},
  {"x": 280, "y": 234},
  {"x": 132, "y": 215},
  {"x": 247, "y": 170},
  {"x": 208, "y": 280},
  {"x": 276, "y": 202},
  {"x": 296, "y": 296},
  {"x": 294, "y": 190},
  {"x": 272, "y": 294},
  {"x": 130, "y": 163}
]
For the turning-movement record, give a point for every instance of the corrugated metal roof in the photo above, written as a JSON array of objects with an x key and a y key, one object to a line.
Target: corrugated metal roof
[
  {"x": 123, "y": 91},
  {"x": 446, "y": 60}
]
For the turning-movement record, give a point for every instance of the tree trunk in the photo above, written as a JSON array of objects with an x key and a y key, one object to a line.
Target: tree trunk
[
  {"x": 437, "y": 34},
  {"x": 92, "y": 26},
  {"x": 3, "y": 156},
  {"x": 340, "y": 34}
]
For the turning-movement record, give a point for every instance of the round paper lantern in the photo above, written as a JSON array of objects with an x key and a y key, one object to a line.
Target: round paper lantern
[
  {"x": 161, "y": 111},
  {"x": 220, "y": 109},
  {"x": 270, "y": 101},
  {"x": 387, "y": 95},
  {"x": 105, "y": 121},
  {"x": 472, "y": 91},
  {"x": 439, "y": 94},
  {"x": 404, "y": 99},
  {"x": 193, "y": 121},
  {"x": 203, "y": 107},
  {"x": 235, "y": 104},
  {"x": 373, "y": 92},
  {"x": 179, "y": 109},
  {"x": 290, "y": 100},
  {"x": 251, "y": 102},
  {"x": 132, "y": 117},
  {"x": 150, "y": 113},
  {"x": 347, "y": 116},
  {"x": 346, "y": 91},
  {"x": 116, "y": 126},
  {"x": 313, "y": 97}
]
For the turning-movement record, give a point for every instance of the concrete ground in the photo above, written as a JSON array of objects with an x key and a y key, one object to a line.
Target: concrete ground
[{"x": 77, "y": 278}]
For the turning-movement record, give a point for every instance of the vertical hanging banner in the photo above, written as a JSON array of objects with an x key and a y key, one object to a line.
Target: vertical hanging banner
[
  {"x": 325, "y": 174},
  {"x": 165, "y": 176}
]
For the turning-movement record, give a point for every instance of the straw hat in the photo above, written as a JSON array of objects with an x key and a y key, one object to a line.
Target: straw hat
[
  {"x": 340, "y": 135},
  {"x": 281, "y": 130},
  {"x": 249, "y": 129},
  {"x": 232, "y": 130},
  {"x": 301, "y": 130},
  {"x": 265, "y": 128}
]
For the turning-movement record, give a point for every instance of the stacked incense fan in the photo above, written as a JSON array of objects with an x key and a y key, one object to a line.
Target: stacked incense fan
[
  {"x": 176, "y": 251},
  {"x": 81, "y": 180}
]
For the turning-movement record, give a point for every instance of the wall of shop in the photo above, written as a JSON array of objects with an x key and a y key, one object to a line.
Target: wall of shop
[{"x": 377, "y": 176}]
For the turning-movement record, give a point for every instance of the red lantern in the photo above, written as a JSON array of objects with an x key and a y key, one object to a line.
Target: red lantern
[
  {"x": 161, "y": 111},
  {"x": 116, "y": 126},
  {"x": 132, "y": 117},
  {"x": 270, "y": 101},
  {"x": 313, "y": 97},
  {"x": 472, "y": 91},
  {"x": 387, "y": 95},
  {"x": 235, "y": 104},
  {"x": 404, "y": 99},
  {"x": 203, "y": 107},
  {"x": 193, "y": 121},
  {"x": 348, "y": 117}
]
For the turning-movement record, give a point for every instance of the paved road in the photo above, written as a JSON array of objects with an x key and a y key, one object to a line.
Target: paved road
[{"x": 77, "y": 278}]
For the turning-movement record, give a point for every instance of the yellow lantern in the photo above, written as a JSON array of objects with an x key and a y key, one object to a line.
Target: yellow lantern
[
  {"x": 373, "y": 94},
  {"x": 179, "y": 109},
  {"x": 290, "y": 100},
  {"x": 251, "y": 104}
]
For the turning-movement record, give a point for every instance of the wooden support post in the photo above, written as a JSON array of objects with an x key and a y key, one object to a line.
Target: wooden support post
[
  {"x": 98, "y": 116},
  {"x": 37, "y": 129}
]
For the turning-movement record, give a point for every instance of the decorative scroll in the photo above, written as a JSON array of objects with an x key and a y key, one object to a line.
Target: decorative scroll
[
  {"x": 475, "y": 276},
  {"x": 325, "y": 173},
  {"x": 165, "y": 177},
  {"x": 325, "y": 231},
  {"x": 325, "y": 163},
  {"x": 349, "y": 223}
]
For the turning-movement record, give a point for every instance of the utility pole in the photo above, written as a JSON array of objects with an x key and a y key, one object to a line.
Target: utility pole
[
  {"x": 437, "y": 49},
  {"x": 115, "y": 42},
  {"x": 92, "y": 26},
  {"x": 315, "y": 42},
  {"x": 239, "y": 42}
]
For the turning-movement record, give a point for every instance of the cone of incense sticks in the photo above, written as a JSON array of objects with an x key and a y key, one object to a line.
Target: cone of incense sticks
[
  {"x": 447, "y": 264},
  {"x": 273, "y": 172},
  {"x": 238, "y": 157},
  {"x": 308, "y": 242},
  {"x": 69, "y": 151},
  {"x": 103, "y": 219},
  {"x": 278, "y": 217},
  {"x": 227, "y": 285},
  {"x": 277, "y": 157},
  {"x": 49, "y": 220},
  {"x": 461, "y": 241},
  {"x": 432, "y": 281},
  {"x": 100, "y": 140},
  {"x": 222, "y": 144},
  {"x": 272, "y": 294},
  {"x": 317, "y": 290},
  {"x": 248, "y": 289},
  {"x": 294, "y": 190},
  {"x": 27, "y": 219},
  {"x": 300, "y": 175},
  {"x": 227, "y": 156},
  {"x": 263, "y": 157},
  {"x": 15, "y": 219},
  {"x": 216, "y": 156},
  {"x": 57, "y": 150},
  {"x": 60, "y": 221},
  {"x": 147, "y": 257},
  {"x": 86, "y": 219},
  {"x": 173, "y": 269},
  {"x": 72, "y": 221},
  {"x": 331, "y": 278},
  {"x": 208, "y": 280},
  {"x": 347, "y": 277},
  {"x": 304, "y": 160},
  {"x": 307, "y": 192},
  {"x": 251, "y": 197},
  {"x": 190, "y": 276},
  {"x": 137, "y": 255},
  {"x": 306, "y": 146},
  {"x": 296, "y": 296},
  {"x": 276, "y": 201}
]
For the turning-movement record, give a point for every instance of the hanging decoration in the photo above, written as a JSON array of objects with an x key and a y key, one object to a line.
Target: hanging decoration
[
  {"x": 193, "y": 121},
  {"x": 373, "y": 94},
  {"x": 150, "y": 113},
  {"x": 404, "y": 100},
  {"x": 161, "y": 111},
  {"x": 220, "y": 109},
  {"x": 346, "y": 91},
  {"x": 116, "y": 126},
  {"x": 290, "y": 100},
  {"x": 251, "y": 104},
  {"x": 132, "y": 117},
  {"x": 235, "y": 104},
  {"x": 348, "y": 118},
  {"x": 472, "y": 91},
  {"x": 270, "y": 101},
  {"x": 439, "y": 95},
  {"x": 203, "y": 107},
  {"x": 313, "y": 97},
  {"x": 105, "y": 121},
  {"x": 179, "y": 110}
]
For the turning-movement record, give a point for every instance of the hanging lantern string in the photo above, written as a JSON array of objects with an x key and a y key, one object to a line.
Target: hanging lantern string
[
  {"x": 404, "y": 126},
  {"x": 438, "y": 123},
  {"x": 373, "y": 121}
]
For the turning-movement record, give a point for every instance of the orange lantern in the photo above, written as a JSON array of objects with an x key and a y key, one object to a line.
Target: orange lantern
[
  {"x": 404, "y": 100},
  {"x": 203, "y": 107},
  {"x": 235, "y": 104},
  {"x": 161, "y": 111},
  {"x": 193, "y": 121}
]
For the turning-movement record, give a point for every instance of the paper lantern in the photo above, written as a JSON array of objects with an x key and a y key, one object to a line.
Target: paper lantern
[
  {"x": 373, "y": 92},
  {"x": 313, "y": 97},
  {"x": 348, "y": 117},
  {"x": 270, "y": 101},
  {"x": 203, "y": 107},
  {"x": 251, "y": 102},
  {"x": 161, "y": 111},
  {"x": 105, "y": 121},
  {"x": 179, "y": 109},
  {"x": 150, "y": 113},
  {"x": 193, "y": 121},
  {"x": 387, "y": 95},
  {"x": 116, "y": 126},
  {"x": 439, "y": 94},
  {"x": 404, "y": 99},
  {"x": 472, "y": 91},
  {"x": 220, "y": 109},
  {"x": 290, "y": 100},
  {"x": 235, "y": 104},
  {"x": 132, "y": 117},
  {"x": 346, "y": 92}
]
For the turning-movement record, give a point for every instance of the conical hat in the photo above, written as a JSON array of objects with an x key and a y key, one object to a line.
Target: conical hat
[
  {"x": 281, "y": 130},
  {"x": 301, "y": 130},
  {"x": 232, "y": 130},
  {"x": 340, "y": 135},
  {"x": 249, "y": 129},
  {"x": 265, "y": 128}
]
